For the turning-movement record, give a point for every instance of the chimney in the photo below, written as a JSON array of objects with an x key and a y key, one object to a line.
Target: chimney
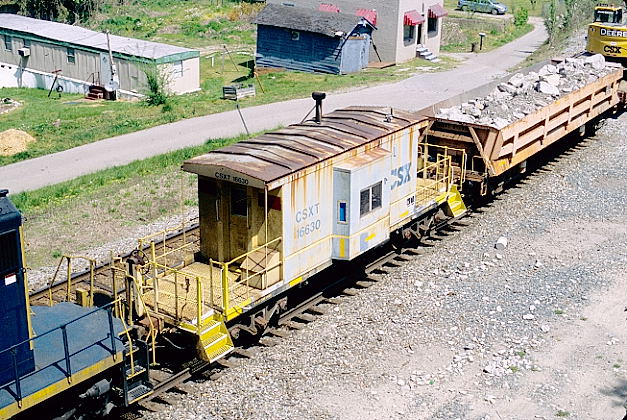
[{"x": 318, "y": 97}]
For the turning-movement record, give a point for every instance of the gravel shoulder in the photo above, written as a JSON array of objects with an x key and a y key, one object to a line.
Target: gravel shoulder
[{"x": 464, "y": 332}]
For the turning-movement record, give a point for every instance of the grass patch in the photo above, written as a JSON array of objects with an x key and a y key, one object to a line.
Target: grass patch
[
  {"x": 562, "y": 413},
  {"x": 521, "y": 353},
  {"x": 60, "y": 124},
  {"x": 461, "y": 30},
  {"x": 558, "y": 312},
  {"x": 514, "y": 369},
  {"x": 616, "y": 366},
  {"x": 200, "y": 23}
]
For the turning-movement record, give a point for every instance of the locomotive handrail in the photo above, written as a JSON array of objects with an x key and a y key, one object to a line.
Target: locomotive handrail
[
  {"x": 69, "y": 258},
  {"x": 153, "y": 330},
  {"x": 67, "y": 356}
]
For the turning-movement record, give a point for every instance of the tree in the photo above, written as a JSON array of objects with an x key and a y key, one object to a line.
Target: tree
[{"x": 70, "y": 11}]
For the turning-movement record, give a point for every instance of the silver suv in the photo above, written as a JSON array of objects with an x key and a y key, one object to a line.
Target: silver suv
[{"x": 486, "y": 6}]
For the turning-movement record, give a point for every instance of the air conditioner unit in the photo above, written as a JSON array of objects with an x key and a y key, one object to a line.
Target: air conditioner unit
[{"x": 24, "y": 52}]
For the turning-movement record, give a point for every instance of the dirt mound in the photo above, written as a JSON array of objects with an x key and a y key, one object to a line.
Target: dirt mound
[{"x": 13, "y": 141}]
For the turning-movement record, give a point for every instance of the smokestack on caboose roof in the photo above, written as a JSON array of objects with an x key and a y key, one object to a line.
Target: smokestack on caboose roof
[{"x": 318, "y": 97}]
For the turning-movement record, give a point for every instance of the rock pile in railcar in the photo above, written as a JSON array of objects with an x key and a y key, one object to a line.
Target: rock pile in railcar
[{"x": 523, "y": 94}]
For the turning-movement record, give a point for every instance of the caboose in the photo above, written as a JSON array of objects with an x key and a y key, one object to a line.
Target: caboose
[{"x": 279, "y": 208}]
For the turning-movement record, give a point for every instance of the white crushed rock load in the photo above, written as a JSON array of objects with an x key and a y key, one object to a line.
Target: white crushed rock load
[{"x": 523, "y": 94}]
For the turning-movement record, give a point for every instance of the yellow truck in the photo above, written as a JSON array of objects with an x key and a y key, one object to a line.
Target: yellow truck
[{"x": 607, "y": 35}]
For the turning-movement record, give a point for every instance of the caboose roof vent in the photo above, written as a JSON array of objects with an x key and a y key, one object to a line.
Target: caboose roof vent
[{"x": 318, "y": 97}]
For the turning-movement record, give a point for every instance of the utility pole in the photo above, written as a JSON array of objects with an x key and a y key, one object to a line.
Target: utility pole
[{"x": 110, "y": 55}]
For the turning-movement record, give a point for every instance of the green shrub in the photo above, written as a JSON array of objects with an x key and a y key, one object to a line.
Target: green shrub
[
  {"x": 521, "y": 16},
  {"x": 157, "y": 81}
]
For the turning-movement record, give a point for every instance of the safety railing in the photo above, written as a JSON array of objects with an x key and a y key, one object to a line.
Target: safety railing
[
  {"x": 434, "y": 179},
  {"x": 152, "y": 330},
  {"x": 237, "y": 288},
  {"x": 162, "y": 249},
  {"x": 458, "y": 160},
  {"x": 180, "y": 295},
  {"x": 184, "y": 295},
  {"x": 68, "y": 280},
  {"x": 95, "y": 78},
  {"x": 64, "y": 365}
]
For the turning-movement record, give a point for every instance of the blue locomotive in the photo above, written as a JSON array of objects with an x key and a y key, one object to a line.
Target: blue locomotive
[{"x": 64, "y": 360}]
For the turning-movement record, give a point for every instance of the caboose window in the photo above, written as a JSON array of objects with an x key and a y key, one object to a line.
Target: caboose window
[
  {"x": 239, "y": 202},
  {"x": 342, "y": 216},
  {"x": 8, "y": 252},
  {"x": 370, "y": 198}
]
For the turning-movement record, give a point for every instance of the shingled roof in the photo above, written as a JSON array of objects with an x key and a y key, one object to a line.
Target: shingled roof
[{"x": 308, "y": 20}]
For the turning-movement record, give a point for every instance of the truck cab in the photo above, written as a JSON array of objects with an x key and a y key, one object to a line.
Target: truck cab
[
  {"x": 604, "y": 13},
  {"x": 607, "y": 35}
]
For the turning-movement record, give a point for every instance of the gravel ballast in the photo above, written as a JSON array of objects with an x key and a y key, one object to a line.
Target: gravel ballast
[{"x": 466, "y": 331}]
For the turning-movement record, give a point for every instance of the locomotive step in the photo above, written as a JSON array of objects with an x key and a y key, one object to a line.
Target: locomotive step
[
  {"x": 139, "y": 392},
  {"x": 138, "y": 371}
]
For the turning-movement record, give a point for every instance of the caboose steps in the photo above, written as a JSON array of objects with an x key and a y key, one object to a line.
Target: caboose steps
[
  {"x": 214, "y": 340},
  {"x": 455, "y": 206}
]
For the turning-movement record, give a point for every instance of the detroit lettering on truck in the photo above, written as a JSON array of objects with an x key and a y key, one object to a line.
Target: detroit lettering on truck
[{"x": 308, "y": 220}]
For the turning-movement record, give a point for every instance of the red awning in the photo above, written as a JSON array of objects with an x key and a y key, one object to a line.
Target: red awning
[
  {"x": 437, "y": 11},
  {"x": 369, "y": 14},
  {"x": 325, "y": 7},
  {"x": 413, "y": 18}
]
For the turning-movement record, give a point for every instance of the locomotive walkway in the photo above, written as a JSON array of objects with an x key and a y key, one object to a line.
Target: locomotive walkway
[{"x": 411, "y": 94}]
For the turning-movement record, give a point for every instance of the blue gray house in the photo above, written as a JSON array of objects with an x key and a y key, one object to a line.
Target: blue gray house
[{"x": 308, "y": 40}]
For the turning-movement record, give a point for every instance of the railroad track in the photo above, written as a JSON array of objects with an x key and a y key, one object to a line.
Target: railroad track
[
  {"x": 297, "y": 317},
  {"x": 315, "y": 304}
]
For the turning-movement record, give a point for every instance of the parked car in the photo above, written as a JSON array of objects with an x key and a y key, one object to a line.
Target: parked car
[{"x": 486, "y": 6}]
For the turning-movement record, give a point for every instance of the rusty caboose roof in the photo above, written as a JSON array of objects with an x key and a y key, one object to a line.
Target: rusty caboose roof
[{"x": 280, "y": 153}]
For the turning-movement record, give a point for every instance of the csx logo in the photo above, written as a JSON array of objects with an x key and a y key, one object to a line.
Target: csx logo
[
  {"x": 403, "y": 175},
  {"x": 614, "y": 49}
]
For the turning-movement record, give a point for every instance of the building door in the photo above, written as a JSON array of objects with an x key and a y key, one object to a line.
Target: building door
[{"x": 355, "y": 54}]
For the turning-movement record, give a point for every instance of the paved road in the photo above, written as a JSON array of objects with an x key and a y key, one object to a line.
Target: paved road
[{"x": 413, "y": 93}]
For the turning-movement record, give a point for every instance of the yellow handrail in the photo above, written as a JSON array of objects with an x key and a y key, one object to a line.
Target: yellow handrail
[
  {"x": 69, "y": 258},
  {"x": 153, "y": 330},
  {"x": 446, "y": 152},
  {"x": 128, "y": 338}
]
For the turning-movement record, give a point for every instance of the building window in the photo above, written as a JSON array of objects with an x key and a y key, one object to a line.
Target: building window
[
  {"x": 239, "y": 202},
  {"x": 177, "y": 69},
  {"x": 342, "y": 212},
  {"x": 408, "y": 32},
  {"x": 71, "y": 57},
  {"x": 295, "y": 35},
  {"x": 8, "y": 43},
  {"x": 370, "y": 199},
  {"x": 26, "y": 43},
  {"x": 432, "y": 26}
]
